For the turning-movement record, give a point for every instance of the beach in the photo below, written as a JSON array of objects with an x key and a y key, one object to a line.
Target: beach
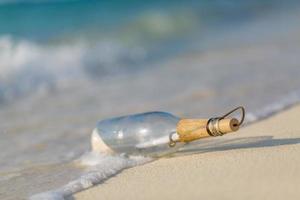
[
  {"x": 66, "y": 65},
  {"x": 53, "y": 130},
  {"x": 261, "y": 161}
]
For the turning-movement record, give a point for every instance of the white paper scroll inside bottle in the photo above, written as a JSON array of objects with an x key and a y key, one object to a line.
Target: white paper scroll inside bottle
[{"x": 157, "y": 133}]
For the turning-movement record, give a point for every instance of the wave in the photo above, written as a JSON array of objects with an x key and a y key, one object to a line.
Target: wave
[
  {"x": 98, "y": 167},
  {"x": 27, "y": 67},
  {"x": 283, "y": 103}
]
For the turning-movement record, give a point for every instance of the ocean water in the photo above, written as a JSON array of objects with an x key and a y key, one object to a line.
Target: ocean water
[{"x": 64, "y": 65}]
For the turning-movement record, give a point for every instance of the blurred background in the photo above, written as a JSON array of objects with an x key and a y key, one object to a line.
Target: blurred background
[{"x": 65, "y": 64}]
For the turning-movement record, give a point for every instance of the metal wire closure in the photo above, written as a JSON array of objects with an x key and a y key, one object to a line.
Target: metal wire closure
[
  {"x": 213, "y": 127},
  {"x": 213, "y": 123},
  {"x": 172, "y": 142},
  {"x": 232, "y": 111}
]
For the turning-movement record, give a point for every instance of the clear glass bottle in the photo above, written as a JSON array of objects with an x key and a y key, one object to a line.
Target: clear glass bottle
[{"x": 155, "y": 133}]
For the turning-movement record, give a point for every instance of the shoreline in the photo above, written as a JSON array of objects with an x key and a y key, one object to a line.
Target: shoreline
[
  {"x": 53, "y": 94},
  {"x": 250, "y": 164}
]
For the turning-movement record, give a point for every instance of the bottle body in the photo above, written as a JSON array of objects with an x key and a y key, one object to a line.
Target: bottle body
[
  {"x": 157, "y": 133},
  {"x": 140, "y": 134}
]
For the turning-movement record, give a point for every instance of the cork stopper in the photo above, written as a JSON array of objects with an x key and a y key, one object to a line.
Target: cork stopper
[
  {"x": 228, "y": 125},
  {"x": 194, "y": 129}
]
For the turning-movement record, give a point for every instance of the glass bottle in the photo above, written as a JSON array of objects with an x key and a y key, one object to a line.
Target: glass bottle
[{"x": 156, "y": 133}]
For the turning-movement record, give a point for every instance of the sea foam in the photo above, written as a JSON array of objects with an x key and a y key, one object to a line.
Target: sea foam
[
  {"x": 277, "y": 106},
  {"x": 98, "y": 168}
]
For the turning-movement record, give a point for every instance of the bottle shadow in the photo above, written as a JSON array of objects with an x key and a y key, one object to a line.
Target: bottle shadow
[{"x": 237, "y": 143}]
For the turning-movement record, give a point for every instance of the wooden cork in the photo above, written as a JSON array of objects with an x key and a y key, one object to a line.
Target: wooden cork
[
  {"x": 194, "y": 129},
  {"x": 228, "y": 125}
]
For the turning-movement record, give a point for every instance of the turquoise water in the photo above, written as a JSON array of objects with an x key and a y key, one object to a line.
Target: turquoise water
[
  {"x": 64, "y": 65},
  {"x": 103, "y": 38},
  {"x": 93, "y": 39},
  {"x": 52, "y": 20}
]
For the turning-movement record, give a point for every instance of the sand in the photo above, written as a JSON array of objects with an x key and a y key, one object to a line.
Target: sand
[{"x": 261, "y": 161}]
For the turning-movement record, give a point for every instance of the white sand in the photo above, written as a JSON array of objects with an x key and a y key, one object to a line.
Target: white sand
[{"x": 261, "y": 161}]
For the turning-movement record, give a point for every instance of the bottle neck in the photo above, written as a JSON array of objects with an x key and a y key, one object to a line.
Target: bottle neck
[{"x": 194, "y": 129}]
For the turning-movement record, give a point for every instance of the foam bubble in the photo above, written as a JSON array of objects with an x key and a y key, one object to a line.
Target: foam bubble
[
  {"x": 98, "y": 168},
  {"x": 48, "y": 196}
]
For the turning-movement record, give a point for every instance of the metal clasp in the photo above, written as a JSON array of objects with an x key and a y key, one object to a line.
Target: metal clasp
[
  {"x": 172, "y": 142},
  {"x": 234, "y": 110}
]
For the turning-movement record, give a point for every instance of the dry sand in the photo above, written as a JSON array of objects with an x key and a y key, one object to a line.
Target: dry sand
[{"x": 261, "y": 161}]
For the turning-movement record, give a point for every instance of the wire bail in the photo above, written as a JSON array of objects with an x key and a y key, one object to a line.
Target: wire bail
[
  {"x": 213, "y": 128},
  {"x": 172, "y": 142},
  {"x": 232, "y": 111}
]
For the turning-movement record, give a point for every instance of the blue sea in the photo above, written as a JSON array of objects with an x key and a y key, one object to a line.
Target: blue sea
[{"x": 66, "y": 64}]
